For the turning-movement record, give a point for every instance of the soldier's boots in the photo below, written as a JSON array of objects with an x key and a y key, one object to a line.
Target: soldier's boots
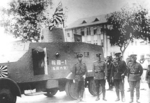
[
  {"x": 110, "y": 89},
  {"x": 81, "y": 100},
  {"x": 118, "y": 99},
  {"x": 97, "y": 98},
  {"x": 104, "y": 99},
  {"x": 137, "y": 101},
  {"x": 123, "y": 100},
  {"x": 131, "y": 101},
  {"x": 122, "y": 97}
]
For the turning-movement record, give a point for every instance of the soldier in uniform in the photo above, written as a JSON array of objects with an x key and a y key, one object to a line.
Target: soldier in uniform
[
  {"x": 128, "y": 61},
  {"x": 100, "y": 73},
  {"x": 135, "y": 71},
  {"x": 148, "y": 77},
  {"x": 109, "y": 67},
  {"x": 118, "y": 72},
  {"x": 79, "y": 71}
]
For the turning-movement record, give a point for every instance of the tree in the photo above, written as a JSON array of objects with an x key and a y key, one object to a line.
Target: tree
[
  {"x": 127, "y": 24},
  {"x": 25, "y": 18}
]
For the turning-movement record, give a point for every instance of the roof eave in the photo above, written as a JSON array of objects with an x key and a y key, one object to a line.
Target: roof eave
[{"x": 78, "y": 26}]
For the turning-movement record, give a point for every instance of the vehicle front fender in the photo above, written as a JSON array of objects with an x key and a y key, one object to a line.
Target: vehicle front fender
[{"x": 12, "y": 85}]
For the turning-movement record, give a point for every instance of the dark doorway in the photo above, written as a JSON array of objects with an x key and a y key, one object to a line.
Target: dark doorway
[{"x": 38, "y": 61}]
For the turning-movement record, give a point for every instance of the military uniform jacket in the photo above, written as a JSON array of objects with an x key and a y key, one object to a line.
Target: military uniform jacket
[
  {"x": 148, "y": 76},
  {"x": 79, "y": 69},
  {"x": 109, "y": 67},
  {"x": 128, "y": 65},
  {"x": 99, "y": 70},
  {"x": 119, "y": 68},
  {"x": 135, "y": 71}
]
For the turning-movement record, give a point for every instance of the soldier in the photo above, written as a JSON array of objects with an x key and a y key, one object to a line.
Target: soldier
[
  {"x": 109, "y": 67},
  {"x": 100, "y": 73},
  {"x": 135, "y": 71},
  {"x": 118, "y": 72},
  {"x": 79, "y": 71},
  {"x": 148, "y": 77},
  {"x": 128, "y": 61}
]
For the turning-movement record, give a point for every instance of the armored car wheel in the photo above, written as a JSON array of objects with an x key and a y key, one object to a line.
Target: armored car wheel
[
  {"x": 51, "y": 92},
  {"x": 6, "y": 96},
  {"x": 71, "y": 90},
  {"x": 92, "y": 87}
]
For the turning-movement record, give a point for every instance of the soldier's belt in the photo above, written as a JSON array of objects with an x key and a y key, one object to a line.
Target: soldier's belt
[
  {"x": 79, "y": 74},
  {"x": 134, "y": 73},
  {"x": 98, "y": 71}
]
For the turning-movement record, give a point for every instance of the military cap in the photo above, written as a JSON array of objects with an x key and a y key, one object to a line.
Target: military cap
[
  {"x": 133, "y": 55},
  {"x": 79, "y": 55},
  {"x": 98, "y": 55},
  {"x": 118, "y": 54},
  {"x": 129, "y": 56}
]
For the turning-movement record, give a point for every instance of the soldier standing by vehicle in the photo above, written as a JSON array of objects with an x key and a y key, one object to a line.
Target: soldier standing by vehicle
[
  {"x": 79, "y": 71},
  {"x": 117, "y": 74},
  {"x": 109, "y": 67},
  {"x": 100, "y": 73},
  {"x": 135, "y": 71},
  {"x": 148, "y": 78}
]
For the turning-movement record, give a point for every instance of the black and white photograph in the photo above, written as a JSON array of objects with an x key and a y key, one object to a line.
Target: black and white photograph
[{"x": 75, "y": 51}]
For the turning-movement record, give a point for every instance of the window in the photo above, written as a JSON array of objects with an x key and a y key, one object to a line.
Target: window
[
  {"x": 88, "y": 31},
  {"x": 95, "y": 31},
  {"x": 83, "y": 22},
  {"x": 86, "y": 54},
  {"x": 96, "y": 20},
  {"x": 77, "y": 38},
  {"x": 82, "y": 33},
  {"x": 102, "y": 43},
  {"x": 68, "y": 34},
  {"x": 95, "y": 42}
]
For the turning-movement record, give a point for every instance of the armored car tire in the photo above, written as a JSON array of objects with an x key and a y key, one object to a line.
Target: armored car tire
[
  {"x": 71, "y": 90},
  {"x": 51, "y": 92},
  {"x": 6, "y": 96},
  {"x": 92, "y": 87}
]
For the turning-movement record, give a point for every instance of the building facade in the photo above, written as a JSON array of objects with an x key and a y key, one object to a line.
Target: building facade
[{"x": 90, "y": 31}]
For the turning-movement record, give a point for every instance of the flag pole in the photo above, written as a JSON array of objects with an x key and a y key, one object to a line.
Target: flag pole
[{"x": 65, "y": 40}]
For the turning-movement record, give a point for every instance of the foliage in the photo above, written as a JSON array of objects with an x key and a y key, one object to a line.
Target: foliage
[
  {"x": 127, "y": 24},
  {"x": 24, "y": 18}
]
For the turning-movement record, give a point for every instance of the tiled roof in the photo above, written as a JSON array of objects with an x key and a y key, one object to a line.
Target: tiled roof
[{"x": 88, "y": 21}]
